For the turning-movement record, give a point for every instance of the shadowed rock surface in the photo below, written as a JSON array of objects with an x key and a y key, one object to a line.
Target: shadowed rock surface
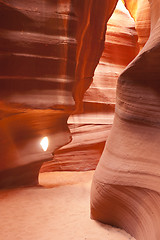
[{"x": 45, "y": 70}]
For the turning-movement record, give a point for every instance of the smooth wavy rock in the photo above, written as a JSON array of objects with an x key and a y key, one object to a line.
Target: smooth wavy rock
[
  {"x": 140, "y": 11},
  {"x": 83, "y": 152},
  {"x": 90, "y": 128},
  {"x": 121, "y": 37},
  {"x": 125, "y": 189},
  {"x": 45, "y": 52}
]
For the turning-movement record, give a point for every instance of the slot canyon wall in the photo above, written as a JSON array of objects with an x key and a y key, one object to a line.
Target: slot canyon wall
[
  {"x": 47, "y": 63},
  {"x": 90, "y": 127},
  {"x": 49, "y": 51},
  {"x": 126, "y": 185}
]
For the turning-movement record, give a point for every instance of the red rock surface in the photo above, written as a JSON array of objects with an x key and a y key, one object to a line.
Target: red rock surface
[
  {"x": 121, "y": 37},
  {"x": 91, "y": 127},
  {"x": 126, "y": 181},
  {"x": 45, "y": 70},
  {"x": 140, "y": 11},
  {"x": 48, "y": 54}
]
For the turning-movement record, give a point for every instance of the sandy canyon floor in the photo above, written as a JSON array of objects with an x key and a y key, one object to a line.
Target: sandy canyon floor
[{"x": 59, "y": 210}]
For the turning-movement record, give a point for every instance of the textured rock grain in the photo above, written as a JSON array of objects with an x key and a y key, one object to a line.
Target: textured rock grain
[
  {"x": 91, "y": 126},
  {"x": 126, "y": 182},
  {"x": 48, "y": 54}
]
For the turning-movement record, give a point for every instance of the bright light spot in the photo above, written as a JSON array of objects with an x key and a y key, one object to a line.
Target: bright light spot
[
  {"x": 121, "y": 7},
  {"x": 44, "y": 143}
]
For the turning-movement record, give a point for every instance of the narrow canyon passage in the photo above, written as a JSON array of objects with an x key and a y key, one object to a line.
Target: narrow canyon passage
[
  {"x": 90, "y": 128},
  {"x": 85, "y": 76}
]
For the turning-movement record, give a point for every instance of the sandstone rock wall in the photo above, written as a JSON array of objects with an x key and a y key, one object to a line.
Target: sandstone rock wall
[
  {"x": 125, "y": 189},
  {"x": 140, "y": 11},
  {"x": 90, "y": 127},
  {"x": 49, "y": 51},
  {"x": 48, "y": 54}
]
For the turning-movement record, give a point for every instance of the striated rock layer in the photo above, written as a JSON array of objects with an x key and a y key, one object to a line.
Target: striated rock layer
[
  {"x": 126, "y": 185},
  {"x": 48, "y": 54},
  {"x": 121, "y": 46},
  {"x": 91, "y": 126}
]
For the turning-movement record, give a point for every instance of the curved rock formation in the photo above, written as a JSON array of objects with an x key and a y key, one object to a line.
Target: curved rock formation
[
  {"x": 48, "y": 54},
  {"x": 46, "y": 66},
  {"x": 121, "y": 46},
  {"x": 125, "y": 189},
  {"x": 140, "y": 11},
  {"x": 90, "y": 128}
]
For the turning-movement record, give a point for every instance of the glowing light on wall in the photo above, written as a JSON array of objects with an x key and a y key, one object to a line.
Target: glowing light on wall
[{"x": 44, "y": 143}]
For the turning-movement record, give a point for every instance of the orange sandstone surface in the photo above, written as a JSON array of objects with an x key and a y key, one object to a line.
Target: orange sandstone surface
[
  {"x": 45, "y": 52},
  {"x": 127, "y": 182},
  {"x": 90, "y": 127},
  {"x": 50, "y": 86}
]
